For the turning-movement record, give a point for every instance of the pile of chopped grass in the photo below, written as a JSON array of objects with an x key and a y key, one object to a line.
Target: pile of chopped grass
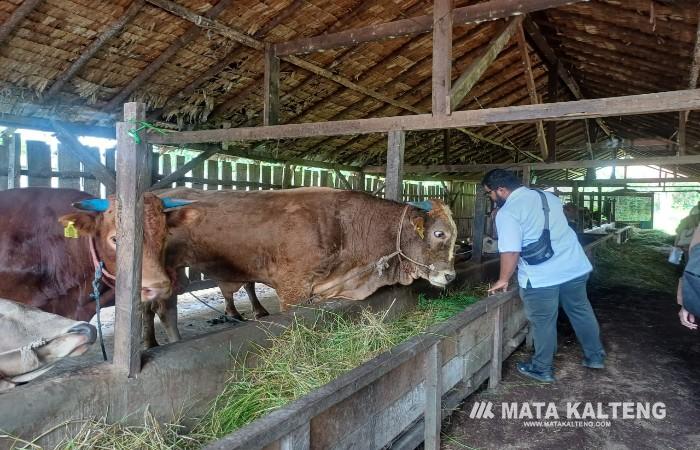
[
  {"x": 636, "y": 264},
  {"x": 301, "y": 359},
  {"x": 306, "y": 357}
]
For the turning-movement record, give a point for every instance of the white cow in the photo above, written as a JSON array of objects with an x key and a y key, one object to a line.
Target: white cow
[{"x": 32, "y": 340}]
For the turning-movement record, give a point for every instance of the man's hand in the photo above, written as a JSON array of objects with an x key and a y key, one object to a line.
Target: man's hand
[
  {"x": 499, "y": 286},
  {"x": 687, "y": 319}
]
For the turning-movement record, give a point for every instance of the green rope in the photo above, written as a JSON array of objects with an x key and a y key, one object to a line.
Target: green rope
[{"x": 143, "y": 125}]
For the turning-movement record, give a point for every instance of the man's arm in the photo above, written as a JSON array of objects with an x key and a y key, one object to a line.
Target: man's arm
[{"x": 509, "y": 261}]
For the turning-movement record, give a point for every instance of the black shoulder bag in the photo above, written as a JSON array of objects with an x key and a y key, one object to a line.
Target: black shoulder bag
[{"x": 541, "y": 250}]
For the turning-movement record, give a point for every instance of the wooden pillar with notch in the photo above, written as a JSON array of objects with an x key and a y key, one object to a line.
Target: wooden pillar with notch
[
  {"x": 133, "y": 179},
  {"x": 13, "y": 161},
  {"x": 551, "y": 127},
  {"x": 442, "y": 57},
  {"x": 393, "y": 189},
  {"x": 271, "y": 106},
  {"x": 479, "y": 224},
  {"x": 526, "y": 176}
]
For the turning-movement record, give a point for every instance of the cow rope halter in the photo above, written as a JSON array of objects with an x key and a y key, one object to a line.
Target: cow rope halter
[{"x": 101, "y": 275}]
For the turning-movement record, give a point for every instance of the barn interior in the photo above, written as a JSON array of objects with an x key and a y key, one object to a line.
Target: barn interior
[{"x": 407, "y": 100}]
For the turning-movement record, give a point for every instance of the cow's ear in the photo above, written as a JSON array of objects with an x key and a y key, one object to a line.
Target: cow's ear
[
  {"x": 84, "y": 222},
  {"x": 183, "y": 217}
]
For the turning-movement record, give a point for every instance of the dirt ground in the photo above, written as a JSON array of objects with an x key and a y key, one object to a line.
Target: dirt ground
[{"x": 651, "y": 358}]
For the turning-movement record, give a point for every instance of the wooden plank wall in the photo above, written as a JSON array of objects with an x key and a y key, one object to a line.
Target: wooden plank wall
[{"x": 41, "y": 169}]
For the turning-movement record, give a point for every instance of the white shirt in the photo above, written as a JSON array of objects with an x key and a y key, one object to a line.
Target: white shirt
[{"x": 520, "y": 221}]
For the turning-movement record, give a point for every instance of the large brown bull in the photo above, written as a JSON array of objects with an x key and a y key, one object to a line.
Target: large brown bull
[
  {"x": 312, "y": 243},
  {"x": 41, "y": 267}
]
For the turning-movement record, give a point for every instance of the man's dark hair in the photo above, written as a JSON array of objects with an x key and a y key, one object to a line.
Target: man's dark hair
[{"x": 501, "y": 178}]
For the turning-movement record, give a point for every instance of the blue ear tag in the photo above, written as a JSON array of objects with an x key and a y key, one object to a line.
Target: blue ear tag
[
  {"x": 169, "y": 203},
  {"x": 425, "y": 205},
  {"x": 93, "y": 204}
]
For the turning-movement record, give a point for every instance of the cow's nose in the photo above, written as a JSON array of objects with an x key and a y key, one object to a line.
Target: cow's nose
[
  {"x": 86, "y": 329},
  {"x": 449, "y": 277}
]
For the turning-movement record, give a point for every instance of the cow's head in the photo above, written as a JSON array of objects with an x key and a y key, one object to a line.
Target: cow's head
[
  {"x": 432, "y": 234},
  {"x": 33, "y": 340},
  {"x": 99, "y": 221}
]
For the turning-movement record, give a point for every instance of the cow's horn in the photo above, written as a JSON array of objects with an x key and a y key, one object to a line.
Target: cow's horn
[
  {"x": 169, "y": 203},
  {"x": 426, "y": 205},
  {"x": 93, "y": 204}
]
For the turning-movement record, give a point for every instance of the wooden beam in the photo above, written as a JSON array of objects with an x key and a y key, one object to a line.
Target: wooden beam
[
  {"x": 547, "y": 54},
  {"x": 89, "y": 158},
  {"x": 192, "y": 33},
  {"x": 32, "y": 123},
  {"x": 17, "y": 16},
  {"x": 192, "y": 163},
  {"x": 692, "y": 84},
  {"x": 531, "y": 88},
  {"x": 133, "y": 173},
  {"x": 442, "y": 56},
  {"x": 271, "y": 96},
  {"x": 553, "y": 97},
  {"x": 581, "y": 109},
  {"x": 671, "y": 182},
  {"x": 394, "y": 165},
  {"x": 491, "y": 10},
  {"x": 251, "y": 42},
  {"x": 111, "y": 31},
  {"x": 475, "y": 70},
  {"x": 343, "y": 180},
  {"x": 578, "y": 164}
]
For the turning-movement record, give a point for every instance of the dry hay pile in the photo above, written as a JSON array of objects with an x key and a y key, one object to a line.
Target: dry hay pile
[
  {"x": 298, "y": 361},
  {"x": 636, "y": 264}
]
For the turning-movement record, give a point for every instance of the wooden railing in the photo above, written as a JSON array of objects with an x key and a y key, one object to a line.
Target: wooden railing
[{"x": 401, "y": 396}]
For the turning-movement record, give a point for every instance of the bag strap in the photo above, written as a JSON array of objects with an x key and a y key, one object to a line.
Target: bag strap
[{"x": 545, "y": 208}]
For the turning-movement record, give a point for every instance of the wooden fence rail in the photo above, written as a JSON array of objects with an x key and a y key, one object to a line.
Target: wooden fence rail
[{"x": 400, "y": 397}]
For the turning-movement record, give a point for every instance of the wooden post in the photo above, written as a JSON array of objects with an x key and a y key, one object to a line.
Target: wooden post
[
  {"x": 433, "y": 397},
  {"x": 133, "y": 178},
  {"x": 479, "y": 224},
  {"x": 287, "y": 176},
  {"x": 526, "y": 176},
  {"x": 361, "y": 181},
  {"x": 271, "y": 98},
  {"x": 553, "y": 97},
  {"x": 299, "y": 439},
  {"x": 38, "y": 164},
  {"x": 682, "y": 120},
  {"x": 394, "y": 165},
  {"x": 442, "y": 56},
  {"x": 13, "y": 162},
  {"x": 497, "y": 354}
]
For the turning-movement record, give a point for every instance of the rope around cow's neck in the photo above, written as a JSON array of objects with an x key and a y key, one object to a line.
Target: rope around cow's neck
[
  {"x": 381, "y": 263},
  {"x": 96, "y": 296}
]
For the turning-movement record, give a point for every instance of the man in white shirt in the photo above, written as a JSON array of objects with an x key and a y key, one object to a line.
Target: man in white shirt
[{"x": 559, "y": 280}]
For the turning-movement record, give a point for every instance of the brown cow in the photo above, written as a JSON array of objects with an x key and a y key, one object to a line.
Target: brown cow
[
  {"x": 312, "y": 243},
  {"x": 39, "y": 266}
]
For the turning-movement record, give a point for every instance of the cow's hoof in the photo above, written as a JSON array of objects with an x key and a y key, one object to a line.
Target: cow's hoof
[{"x": 259, "y": 315}]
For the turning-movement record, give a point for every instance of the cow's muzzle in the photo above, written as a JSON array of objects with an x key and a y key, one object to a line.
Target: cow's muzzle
[{"x": 442, "y": 278}]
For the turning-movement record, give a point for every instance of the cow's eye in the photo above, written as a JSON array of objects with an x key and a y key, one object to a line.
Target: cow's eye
[
  {"x": 438, "y": 234},
  {"x": 113, "y": 239}
]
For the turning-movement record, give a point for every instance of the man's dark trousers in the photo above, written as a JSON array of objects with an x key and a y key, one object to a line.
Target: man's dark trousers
[{"x": 542, "y": 308}]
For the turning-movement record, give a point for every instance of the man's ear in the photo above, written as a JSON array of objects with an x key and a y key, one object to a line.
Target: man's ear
[
  {"x": 85, "y": 223},
  {"x": 185, "y": 216}
]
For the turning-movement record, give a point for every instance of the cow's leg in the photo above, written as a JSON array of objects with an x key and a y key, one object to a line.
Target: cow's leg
[
  {"x": 227, "y": 290},
  {"x": 259, "y": 309},
  {"x": 149, "y": 330},
  {"x": 167, "y": 312}
]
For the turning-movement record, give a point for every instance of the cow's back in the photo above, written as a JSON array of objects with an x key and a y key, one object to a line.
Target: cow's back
[{"x": 38, "y": 265}]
